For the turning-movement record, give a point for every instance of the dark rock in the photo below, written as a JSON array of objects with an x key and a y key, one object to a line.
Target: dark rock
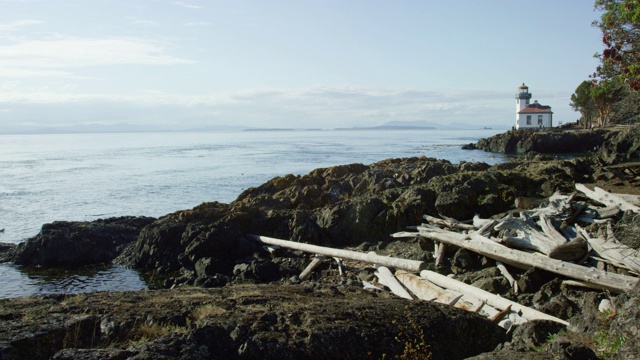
[
  {"x": 6, "y": 252},
  {"x": 544, "y": 142},
  {"x": 241, "y": 322},
  {"x": 532, "y": 280},
  {"x": 625, "y": 324},
  {"x": 258, "y": 271},
  {"x": 573, "y": 350},
  {"x": 456, "y": 204},
  {"x": 532, "y": 334},
  {"x": 76, "y": 244},
  {"x": 466, "y": 260}
]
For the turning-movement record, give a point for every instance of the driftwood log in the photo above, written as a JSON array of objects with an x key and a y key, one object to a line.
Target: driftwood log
[
  {"x": 387, "y": 279},
  {"x": 521, "y": 259},
  {"x": 317, "y": 260},
  {"x": 608, "y": 199},
  {"x": 491, "y": 299},
  {"x": 426, "y": 290},
  {"x": 371, "y": 257}
]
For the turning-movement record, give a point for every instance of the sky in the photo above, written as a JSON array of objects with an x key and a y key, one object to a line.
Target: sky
[{"x": 178, "y": 65}]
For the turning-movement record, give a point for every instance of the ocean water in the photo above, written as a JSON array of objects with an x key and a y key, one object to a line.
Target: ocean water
[{"x": 83, "y": 177}]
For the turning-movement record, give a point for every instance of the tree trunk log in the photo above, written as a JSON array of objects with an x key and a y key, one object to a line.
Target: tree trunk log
[{"x": 372, "y": 258}]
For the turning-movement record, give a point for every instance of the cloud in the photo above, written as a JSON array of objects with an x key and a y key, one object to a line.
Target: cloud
[
  {"x": 54, "y": 57},
  {"x": 197, "y": 23},
  {"x": 314, "y": 106},
  {"x": 143, "y": 22},
  {"x": 187, "y": 5},
  {"x": 16, "y": 25}
]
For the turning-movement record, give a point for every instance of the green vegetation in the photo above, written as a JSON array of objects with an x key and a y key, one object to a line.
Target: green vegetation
[
  {"x": 606, "y": 344},
  {"x": 612, "y": 95},
  {"x": 148, "y": 332},
  {"x": 412, "y": 338}
]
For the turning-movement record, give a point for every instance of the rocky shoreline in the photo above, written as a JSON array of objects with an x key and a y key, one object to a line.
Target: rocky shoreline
[{"x": 222, "y": 295}]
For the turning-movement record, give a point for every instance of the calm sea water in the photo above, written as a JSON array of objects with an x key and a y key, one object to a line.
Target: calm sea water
[{"x": 83, "y": 177}]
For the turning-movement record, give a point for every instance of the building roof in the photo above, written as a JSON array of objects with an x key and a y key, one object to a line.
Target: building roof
[
  {"x": 536, "y": 108},
  {"x": 523, "y": 86}
]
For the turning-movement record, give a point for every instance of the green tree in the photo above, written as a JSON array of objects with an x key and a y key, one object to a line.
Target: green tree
[
  {"x": 620, "y": 25},
  {"x": 605, "y": 93},
  {"x": 626, "y": 110},
  {"x": 582, "y": 101}
]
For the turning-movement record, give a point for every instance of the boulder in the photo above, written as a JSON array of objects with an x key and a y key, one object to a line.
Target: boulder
[{"x": 76, "y": 244}]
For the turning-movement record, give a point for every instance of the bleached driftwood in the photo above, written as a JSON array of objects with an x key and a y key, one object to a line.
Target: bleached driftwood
[
  {"x": 439, "y": 252},
  {"x": 491, "y": 299},
  {"x": 371, "y": 257},
  {"x": 614, "y": 250},
  {"x": 340, "y": 265},
  {"x": 391, "y": 282},
  {"x": 317, "y": 260},
  {"x": 558, "y": 204},
  {"x": 507, "y": 275},
  {"x": 546, "y": 224},
  {"x": 529, "y": 237},
  {"x": 405, "y": 234},
  {"x": 449, "y": 223},
  {"x": 579, "y": 207},
  {"x": 583, "y": 284},
  {"x": 426, "y": 290},
  {"x": 607, "y": 199},
  {"x": 521, "y": 259},
  {"x": 630, "y": 198},
  {"x": 480, "y": 223}
]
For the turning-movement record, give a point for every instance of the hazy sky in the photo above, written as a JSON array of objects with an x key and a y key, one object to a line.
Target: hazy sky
[{"x": 295, "y": 63}]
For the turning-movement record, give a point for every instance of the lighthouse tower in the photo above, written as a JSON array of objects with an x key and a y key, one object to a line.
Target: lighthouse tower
[{"x": 522, "y": 98}]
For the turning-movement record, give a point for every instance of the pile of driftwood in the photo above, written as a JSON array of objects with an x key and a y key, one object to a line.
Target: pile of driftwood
[{"x": 548, "y": 237}]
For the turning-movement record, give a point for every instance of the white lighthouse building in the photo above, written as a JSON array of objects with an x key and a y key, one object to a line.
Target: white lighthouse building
[{"x": 531, "y": 116}]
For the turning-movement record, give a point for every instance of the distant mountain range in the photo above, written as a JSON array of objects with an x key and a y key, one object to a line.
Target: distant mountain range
[
  {"x": 425, "y": 125},
  {"x": 102, "y": 128}
]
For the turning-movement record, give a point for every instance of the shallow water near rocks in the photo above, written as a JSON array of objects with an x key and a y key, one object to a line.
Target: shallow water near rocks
[{"x": 17, "y": 282}]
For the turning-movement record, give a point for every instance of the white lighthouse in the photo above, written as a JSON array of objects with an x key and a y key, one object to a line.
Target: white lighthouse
[{"x": 529, "y": 115}]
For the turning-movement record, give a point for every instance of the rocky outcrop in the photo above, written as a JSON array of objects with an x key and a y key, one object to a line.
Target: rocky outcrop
[
  {"x": 613, "y": 145},
  {"x": 549, "y": 141},
  {"x": 76, "y": 244},
  {"x": 622, "y": 146},
  {"x": 339, "y": 206},
  {"x": 240, "y": 322}
]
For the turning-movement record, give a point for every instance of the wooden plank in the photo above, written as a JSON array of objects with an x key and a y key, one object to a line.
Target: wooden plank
[
  {"x": 371, "y": 257},
  {"x": 488, "y": 248}
]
